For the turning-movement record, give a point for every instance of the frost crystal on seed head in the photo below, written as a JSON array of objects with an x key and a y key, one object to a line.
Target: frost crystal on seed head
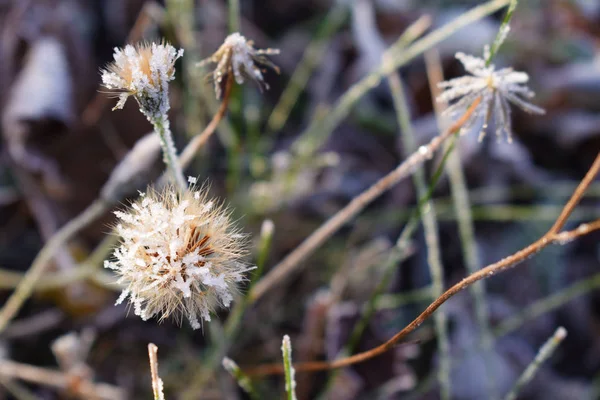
[
  {"x": 179, "y": 254},
  {"x": 143, "y": 71},
  {"x": 239, "y": 57},
  {"x": 497, "y": 88}
]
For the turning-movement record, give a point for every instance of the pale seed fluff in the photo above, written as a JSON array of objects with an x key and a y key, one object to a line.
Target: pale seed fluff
[
  {"x": 143, "y": 71},
  {"x": 496, "y": 88},
  {"x": 238, "y": 56},
  {"x": 179, "y": 255}
]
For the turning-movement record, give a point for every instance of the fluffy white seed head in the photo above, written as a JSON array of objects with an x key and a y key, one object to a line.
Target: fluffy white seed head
[
  {"x": 179, "y": 255},
  {"x": 238, "y": 56},
  {"x": 143, "y": 71},
  {"x": 496, "y": 88}
]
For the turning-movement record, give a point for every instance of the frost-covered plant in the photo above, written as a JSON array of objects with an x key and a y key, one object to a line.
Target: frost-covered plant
[
  {"x": 496, "y": 88},
  {"x": 238, "y": 56},
  {"x": 143, "y": 71},
  {"x": 290, "y": 379},
  {"x": 179, "y": 254}
]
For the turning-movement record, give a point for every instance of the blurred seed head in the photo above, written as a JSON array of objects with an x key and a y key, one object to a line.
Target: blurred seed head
[
  {"x": 238, "y": 56},
  {"x": 497, "y": 88},
  {"x": 179, "y": 255},
  {"x": 143, "y": 71}
]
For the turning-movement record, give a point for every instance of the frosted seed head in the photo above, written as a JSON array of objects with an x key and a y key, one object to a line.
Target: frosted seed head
[
  {"x": 238, "y": 56},
  {"x": 143, "y": 71},
  {"x": 178, "y": 257},
  {"x": 495, "y": 88}
]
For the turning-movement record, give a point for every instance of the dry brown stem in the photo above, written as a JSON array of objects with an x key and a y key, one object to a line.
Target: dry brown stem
[
  {"x": 553, "y": 236},
  {"x": 81, "y": 387},
  {"x": 157, "y": 384},
  {"x": 198, "y": 141}
]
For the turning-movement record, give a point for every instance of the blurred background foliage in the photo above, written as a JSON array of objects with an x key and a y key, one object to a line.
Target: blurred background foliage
[{"x": 60, "y": 141}]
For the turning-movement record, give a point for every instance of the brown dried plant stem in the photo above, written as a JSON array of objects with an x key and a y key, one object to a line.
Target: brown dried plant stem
[
  {"x": 156, "y": 381},
  {"x": 39, "y": 265},
  {"x": 292, "y": 262},
  {"x": 553, "y": 236},
  {"x": 82, "y": 388},
  {"x": 198, "y": 141}
]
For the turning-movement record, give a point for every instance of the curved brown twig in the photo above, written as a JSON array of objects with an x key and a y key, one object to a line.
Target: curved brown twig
[
  {"x": 554, "y": 235},
  {"x": 198, "y": 141}
]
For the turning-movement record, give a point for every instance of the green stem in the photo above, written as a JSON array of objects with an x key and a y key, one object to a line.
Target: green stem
[
  {"x": 466, "y": 228},
  {"x": 234, "y": 319},
  {"x": 290, "y": 381},
  {"x": 234, "y": 16},
  {"x": 502, "y": 32},
  {"x": 232, "y": 324},
  {"x": 310, "y": 59},
  {"x": 544, "y": 354},
  {"x": 319, "y": 130},
  {"x": 397, "y": 255},
  {"x": 162, "y": 128},
  {"x": 242, "y": 379},
  {"x": 547, "y": 304},
  {"x": 430, "y": 226}
]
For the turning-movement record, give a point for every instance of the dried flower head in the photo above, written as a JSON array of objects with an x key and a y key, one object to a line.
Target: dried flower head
[
  {"x": 179, "y": 254},
  {"x": 143, "y": 71},
  {"x": 238, "y": 56},
  {"x": 495, "y": 87}
]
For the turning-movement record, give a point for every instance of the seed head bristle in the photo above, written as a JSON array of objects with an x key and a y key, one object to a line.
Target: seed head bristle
[{"x": 179, "y": 255}]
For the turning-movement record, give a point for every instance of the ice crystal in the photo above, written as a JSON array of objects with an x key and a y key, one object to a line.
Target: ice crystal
[
  {"x": 239, "y": 57},
  {"x": 496, "y": 88},
  {"x": 179, "y": 254},
  {"x": 143, "y": 71}
]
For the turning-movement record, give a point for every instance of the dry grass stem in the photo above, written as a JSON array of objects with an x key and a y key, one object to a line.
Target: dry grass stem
[
  {"x": 157, "y": 383},
  {"x": 310, "y": 59},
  {"x": 430, "y": 227},
  {"x": 37, "y": 269},
  {"x": 319, "y": 130},
  {"x": 198, "y": 141},
  {"x": 464, "y": 215},
  {"x": 292, "y": 262},
  {"x": 543, "y": 354},
  {"x": 547, "y": 304},
  {"x": 553, "y": 236},
  {"x": 76, "y": 385}
]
